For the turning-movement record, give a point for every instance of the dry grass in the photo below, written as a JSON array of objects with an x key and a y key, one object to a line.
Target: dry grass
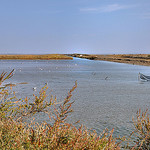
[
  {"x": 137, "y": 59},
  {"x": 35, "y": 57}
]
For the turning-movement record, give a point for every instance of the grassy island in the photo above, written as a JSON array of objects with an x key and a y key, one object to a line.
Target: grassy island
[
  {"x": 137, "y": 59},
  {"x": 36, "y": 57}
]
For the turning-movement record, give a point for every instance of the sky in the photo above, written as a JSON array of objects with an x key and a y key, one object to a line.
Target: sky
[{"x": 74, "y": 26}]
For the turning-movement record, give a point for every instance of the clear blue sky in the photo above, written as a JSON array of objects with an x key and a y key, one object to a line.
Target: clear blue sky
[{"x": 74, "y": 26}]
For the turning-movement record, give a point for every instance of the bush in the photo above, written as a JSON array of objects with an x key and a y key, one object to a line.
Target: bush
[
  {"x": 142, "y": 130},
  {"x": 15, "y": 133}
]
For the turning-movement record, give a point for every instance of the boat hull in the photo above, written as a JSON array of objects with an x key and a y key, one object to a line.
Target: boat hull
[{"x": 144, "y": 77}]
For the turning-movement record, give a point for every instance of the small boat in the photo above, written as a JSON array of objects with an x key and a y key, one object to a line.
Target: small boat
[{"x": 144, "y": 77}]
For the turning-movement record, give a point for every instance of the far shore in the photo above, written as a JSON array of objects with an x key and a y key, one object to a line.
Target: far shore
[
  {"x": 36, "y": 57},
  {"x": 135, "y": 59}
]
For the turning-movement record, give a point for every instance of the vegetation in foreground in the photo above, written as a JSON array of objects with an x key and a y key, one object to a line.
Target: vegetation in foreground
[
  {"x": 16, "y": 133},
  {"x": 35, "y": 57}
]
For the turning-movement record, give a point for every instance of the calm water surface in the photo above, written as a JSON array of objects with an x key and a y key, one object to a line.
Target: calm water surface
[{"x": 108, "y": 94}]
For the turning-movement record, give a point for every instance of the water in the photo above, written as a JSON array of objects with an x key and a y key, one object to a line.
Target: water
[{"x": 108, "y": 94}]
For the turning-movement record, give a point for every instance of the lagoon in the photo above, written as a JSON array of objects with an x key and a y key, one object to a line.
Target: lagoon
[{"x": 108, "y": 94}]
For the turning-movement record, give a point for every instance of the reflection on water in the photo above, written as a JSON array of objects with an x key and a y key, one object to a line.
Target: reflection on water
[{"x": 107, "y": 96}]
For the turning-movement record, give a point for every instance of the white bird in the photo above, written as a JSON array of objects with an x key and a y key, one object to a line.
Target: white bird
[{"x": 34, "y": 89}]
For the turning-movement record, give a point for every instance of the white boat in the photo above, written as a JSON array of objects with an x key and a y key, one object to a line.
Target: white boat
[{"x": 144, "y": 77}]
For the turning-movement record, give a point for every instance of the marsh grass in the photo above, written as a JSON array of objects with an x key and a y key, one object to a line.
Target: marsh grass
[
  {"x": 16, "y": 133},
  {"x": 138, "y": 59},
  {"x": 35, "y": 57}
]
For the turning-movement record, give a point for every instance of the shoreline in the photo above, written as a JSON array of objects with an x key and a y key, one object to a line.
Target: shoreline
[
  {"x": 135, "y": 59},
  {"x": 35, "y": 57}
]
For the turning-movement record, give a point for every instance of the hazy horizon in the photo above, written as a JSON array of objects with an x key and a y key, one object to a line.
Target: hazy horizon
[
  {"x": 74, "y": 26},
  {"x": 69, "y": 53}
]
